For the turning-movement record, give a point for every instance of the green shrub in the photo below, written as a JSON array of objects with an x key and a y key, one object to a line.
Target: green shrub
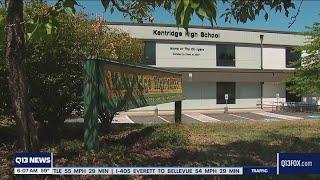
[{"x": 4, "y": 89}]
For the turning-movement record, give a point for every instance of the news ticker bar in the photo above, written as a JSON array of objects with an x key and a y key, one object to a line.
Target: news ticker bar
[
  {"x": 148, "y": 170},
  {"x": 132, "y": 171}
]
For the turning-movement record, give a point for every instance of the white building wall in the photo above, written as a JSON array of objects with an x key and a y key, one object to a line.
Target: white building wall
[
  {"x": 274, "y": 58},
  {"x": 199, "y": 95},
  {"x": 224, "y": 35},
  {"x": 270, "y": 89},
  {"x": 248, "y": 57},
  {"x": 185, "y": 55},
  {"x": 202, "y": 95},
  {"x": 248, "y": 94},
  {"x": 204, "y": 56}
]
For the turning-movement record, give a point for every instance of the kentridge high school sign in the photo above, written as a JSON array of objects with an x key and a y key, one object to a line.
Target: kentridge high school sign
[
  {"x": 111, "y": 86},
  {"x": 131, "y": 86},
  {"x": 189, "y": 34}
]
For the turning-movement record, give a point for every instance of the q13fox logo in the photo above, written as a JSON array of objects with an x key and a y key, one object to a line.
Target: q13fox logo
[{"x": 33, "y": 159}]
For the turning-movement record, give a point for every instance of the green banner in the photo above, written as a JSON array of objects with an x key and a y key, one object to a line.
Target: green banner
[{"x": 112, "y": 86}]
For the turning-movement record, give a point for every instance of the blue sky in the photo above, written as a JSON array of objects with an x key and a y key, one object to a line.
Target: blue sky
[{"x": 308, "y": 15}]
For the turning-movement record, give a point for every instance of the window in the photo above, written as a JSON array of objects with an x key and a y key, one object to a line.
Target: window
[
  {"x": 225, "y": 55},
  {"x": 226, "y": 88},
  {"x": 292, "y": 58},
  {"x": 150, "y": 53}
]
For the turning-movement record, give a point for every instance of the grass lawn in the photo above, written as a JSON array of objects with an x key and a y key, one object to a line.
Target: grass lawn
[{"x": 238, "y": 143}]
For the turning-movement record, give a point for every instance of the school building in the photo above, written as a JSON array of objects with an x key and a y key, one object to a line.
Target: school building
[{"x": 249, "y": 65}]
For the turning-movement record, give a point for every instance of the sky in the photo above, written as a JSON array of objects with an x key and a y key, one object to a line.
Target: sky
[{"x": 309, "y": 14}]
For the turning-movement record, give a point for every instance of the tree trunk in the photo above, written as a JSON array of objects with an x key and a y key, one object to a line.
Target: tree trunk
[{"x": 15, "y": 51}]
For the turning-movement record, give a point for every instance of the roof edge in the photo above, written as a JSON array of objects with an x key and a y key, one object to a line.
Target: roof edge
[
  {"x": 202, "y": 27},
  {"x": 230, "y": 70}
]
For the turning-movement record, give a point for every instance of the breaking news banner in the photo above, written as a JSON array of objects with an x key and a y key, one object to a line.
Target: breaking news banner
[{"x": 287, "y": 163}]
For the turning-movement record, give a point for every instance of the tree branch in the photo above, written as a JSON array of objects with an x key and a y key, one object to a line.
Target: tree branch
[
  {"x": 124, "y": 10},
  {"x": 294, "y": 17}
]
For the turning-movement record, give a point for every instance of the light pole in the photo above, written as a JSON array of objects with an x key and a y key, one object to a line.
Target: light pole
[
  {"x": 226, "y": 97},
  {"x": 261, "y": 61},
  {"x": 261, "y": 49}
]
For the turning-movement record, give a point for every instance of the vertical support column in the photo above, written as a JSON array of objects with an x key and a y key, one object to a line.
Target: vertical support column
[
  {"x": 261, "y": 61},
  {"x": 91, "y": 138},
  {"x": 261, "y": 50},
  {"x": 177, "y": 111},
  {"x": 261, "y": 93}
]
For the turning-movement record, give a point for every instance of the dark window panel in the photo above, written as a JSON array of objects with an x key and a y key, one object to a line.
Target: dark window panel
[
  {"x": 150, "y": 53},
  {"x": 226, "y": 88},
  {"x": 225, "y": 54}
]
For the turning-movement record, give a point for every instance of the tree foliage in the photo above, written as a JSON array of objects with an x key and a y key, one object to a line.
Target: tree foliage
[
  {"x": 242, "y": 11},
  {"x": 5, "y": 105},
  {"x": 306, "y": 81},
  {"x": 183, "y": 10},
  {"x": 239, "y": 10},
  {"x": 54, "y": 64}
]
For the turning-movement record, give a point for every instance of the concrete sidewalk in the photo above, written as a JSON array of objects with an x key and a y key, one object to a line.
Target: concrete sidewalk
[{"x": 206, "y": 111}]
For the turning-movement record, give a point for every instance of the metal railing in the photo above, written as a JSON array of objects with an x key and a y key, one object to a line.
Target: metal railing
[
  {"x": 300, "y": 107},
  {"x": 291, "y": 106}
]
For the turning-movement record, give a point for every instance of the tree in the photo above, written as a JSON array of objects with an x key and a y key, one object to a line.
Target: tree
[
  {"x": 27, "y": 128},
  {"x": 241, "y": 11},
  {"x": 306, "y": 81},
  {"x": 15, "y": 53}
]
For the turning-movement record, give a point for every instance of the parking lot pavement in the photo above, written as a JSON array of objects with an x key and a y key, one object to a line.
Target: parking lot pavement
[
  {"x": 122, "y": 119},
  {"x": 148, "y": 119},
  {"x": 184, "y": 118},
  {"x": 201, "y": 117},
  {"x": 225, "y": 117},
  {"x": 278, "y": 116},
  {"x": 312, "y": 117},
  {"x": 241, "y": 117},
  {"x": 304, "y": 115},
  {"x": 196, "y": 117},
  {"x": 254, "y": 116}
]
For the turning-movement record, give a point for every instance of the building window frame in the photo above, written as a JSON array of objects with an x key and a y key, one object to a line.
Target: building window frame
[
  {"x": 149, "y": 53},
  {"x": 226, "y": 55}
]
